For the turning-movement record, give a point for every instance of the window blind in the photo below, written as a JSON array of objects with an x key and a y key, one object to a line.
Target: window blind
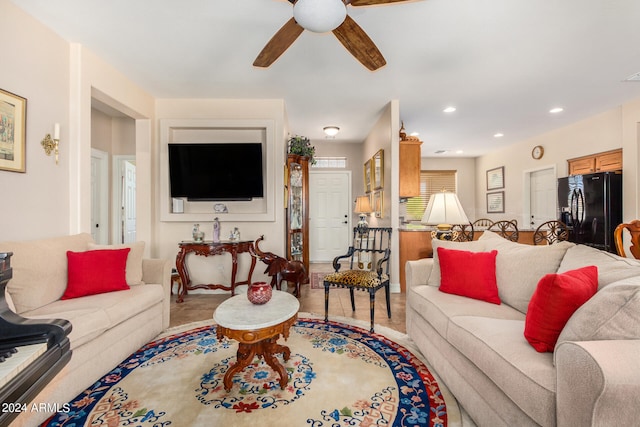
[{"x": 431, "y": 181}]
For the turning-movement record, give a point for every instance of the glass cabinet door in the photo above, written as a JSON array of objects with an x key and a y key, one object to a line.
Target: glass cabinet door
[{"x": 297, "y": 213}]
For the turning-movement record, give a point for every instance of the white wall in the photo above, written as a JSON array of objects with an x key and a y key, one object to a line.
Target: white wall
[
  {"x": 466, "y": 179},
  {"x": 595, "y": 134},
  {"x": 35, "y": 204}
]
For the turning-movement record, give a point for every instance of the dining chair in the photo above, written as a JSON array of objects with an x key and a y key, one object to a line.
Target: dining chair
[
  {"x": 464, "y": 232},
  {"x": 633, "y": 228},
  {"x": 506, "y": 229},
  {"x": 482, "y": 224},
  {"x": 550, "y": 232}
]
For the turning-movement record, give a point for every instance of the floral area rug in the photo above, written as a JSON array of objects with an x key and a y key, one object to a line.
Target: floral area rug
[{"x": 339, "y": 375}]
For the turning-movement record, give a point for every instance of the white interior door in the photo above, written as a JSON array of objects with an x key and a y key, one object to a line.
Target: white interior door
[
  {"x": 129, "y": 202},
  {"x": 543, "y": 196},
  {"x": 99, "y": 196},
  {"x": 124, "y": 199},
  {"x": 329, "y": 214}
]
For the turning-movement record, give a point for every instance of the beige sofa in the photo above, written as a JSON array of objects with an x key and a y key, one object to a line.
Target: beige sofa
[
  {"x": 107, "y": 327},
  {"x": 479, "y": 350}
]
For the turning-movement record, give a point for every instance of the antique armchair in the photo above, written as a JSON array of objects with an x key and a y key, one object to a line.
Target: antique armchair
[{"x": 367, "y": 268}]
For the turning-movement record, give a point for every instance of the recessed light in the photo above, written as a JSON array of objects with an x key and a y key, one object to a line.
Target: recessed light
[
  {"x": 556, "y": 110},
  {"x": 440, "y": 151},
  {"x": 498, "y": 135},
  {"x": 449, "y": 110},
  {"x": 414, "y": 134},
  {"x": 459, "y": 152}
]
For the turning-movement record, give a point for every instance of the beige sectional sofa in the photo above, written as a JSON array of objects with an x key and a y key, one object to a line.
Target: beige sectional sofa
[
  {"x": 592, "y": 378},
  {"x": 106, "y": 328}
]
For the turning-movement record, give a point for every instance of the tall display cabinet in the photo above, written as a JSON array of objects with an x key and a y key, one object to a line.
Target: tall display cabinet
[{"x": 297, "y": 182}]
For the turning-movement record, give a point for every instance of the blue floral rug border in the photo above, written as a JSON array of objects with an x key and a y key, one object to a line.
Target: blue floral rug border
[{"x": 421, "y": 402}]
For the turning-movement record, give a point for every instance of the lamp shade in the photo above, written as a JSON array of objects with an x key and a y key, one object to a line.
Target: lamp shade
[
  {"x": 363, "y": 205},
  {"x": 319, "y": 16},
  {"x": 444, "y": 208}
]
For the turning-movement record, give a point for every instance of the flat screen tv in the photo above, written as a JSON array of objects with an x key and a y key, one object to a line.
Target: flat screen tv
[{"x": 212, "y": 171}]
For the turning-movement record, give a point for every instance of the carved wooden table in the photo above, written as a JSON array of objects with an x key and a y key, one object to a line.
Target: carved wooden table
[
  {"x": 257, "y": 329},
  {"x": 208, "y": 248}
]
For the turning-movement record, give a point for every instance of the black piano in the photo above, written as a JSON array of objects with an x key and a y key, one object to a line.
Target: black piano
[{"x": 32, "y": 352}]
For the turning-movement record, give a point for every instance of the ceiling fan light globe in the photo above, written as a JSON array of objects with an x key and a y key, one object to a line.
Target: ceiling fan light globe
[{"x": 319, "y": 16}]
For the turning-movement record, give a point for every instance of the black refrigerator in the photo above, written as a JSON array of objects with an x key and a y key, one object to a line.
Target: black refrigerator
[{"x": 591, "y": 206}]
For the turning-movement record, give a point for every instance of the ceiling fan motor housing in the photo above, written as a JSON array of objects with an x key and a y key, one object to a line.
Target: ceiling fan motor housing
[{"x": 319, "y": 16}]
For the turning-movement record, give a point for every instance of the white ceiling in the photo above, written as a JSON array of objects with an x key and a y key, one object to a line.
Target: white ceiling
[{"x": 502, "y": 63}]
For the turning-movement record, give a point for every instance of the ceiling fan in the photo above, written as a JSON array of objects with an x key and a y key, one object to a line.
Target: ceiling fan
[{"x": 322, "y": 16}]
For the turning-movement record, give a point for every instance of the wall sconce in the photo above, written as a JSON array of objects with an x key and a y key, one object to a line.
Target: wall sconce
[{"x": 51, "y": 145}]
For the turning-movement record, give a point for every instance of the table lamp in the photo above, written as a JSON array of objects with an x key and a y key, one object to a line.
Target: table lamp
[
  {"x": 443, "y": 210},
  {"x": 363, "y": 207}
]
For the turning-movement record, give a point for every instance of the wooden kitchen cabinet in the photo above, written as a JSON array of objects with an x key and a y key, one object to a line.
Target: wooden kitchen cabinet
[
  {"x": 410, "y": 159},
  {"x": 608, "y": 161}
]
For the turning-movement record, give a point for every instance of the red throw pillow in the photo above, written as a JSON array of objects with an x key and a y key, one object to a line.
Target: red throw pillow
[
  {"x": 96, "y": 272},
  {"x": 469, "y": 274},
  {"x": 555, "y": 299}
]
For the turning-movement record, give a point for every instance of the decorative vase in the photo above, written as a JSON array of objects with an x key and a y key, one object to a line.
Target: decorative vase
[
  {"x": 259, "y": 292},
  {"x": 198, "y": 235}
]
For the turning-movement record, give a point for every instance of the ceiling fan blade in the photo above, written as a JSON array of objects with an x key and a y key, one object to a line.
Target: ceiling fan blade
[
  {"x": 373, "y": 2},
  {"x": 279, "y": 43},
  {"x": 353, "y": 37}
]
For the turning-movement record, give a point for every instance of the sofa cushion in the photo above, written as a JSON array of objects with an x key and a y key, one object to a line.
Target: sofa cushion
[
  {"x": 40, "y": 269},
  {"x": 434, "y": 277},
  {"x": 555, "y": 299},
  {"x": 92, "y": 315},
  {"x": 498, "y": 348},
  {"x": 96, "y": 272},
  {"x": 611, "y": 267},
  {"x": 437, "y": 307},
  {"x": 469, "y": 274},
  {"x": 613, "y": 313},
  {"x": 134, "y": 260},
  {"x": 519, "y": 267}
]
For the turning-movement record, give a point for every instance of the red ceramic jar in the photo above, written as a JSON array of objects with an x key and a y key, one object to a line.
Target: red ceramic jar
[{"x": 259, "y": 292}]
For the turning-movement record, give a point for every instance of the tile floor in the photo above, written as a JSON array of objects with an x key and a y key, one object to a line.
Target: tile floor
[{"x": 201, "y": 306}]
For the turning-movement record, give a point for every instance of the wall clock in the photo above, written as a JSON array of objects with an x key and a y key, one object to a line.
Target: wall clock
[{"x": 537, "y": 152}]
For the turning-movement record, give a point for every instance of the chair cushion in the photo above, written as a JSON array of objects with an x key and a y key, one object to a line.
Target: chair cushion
[{"x": 360, "y": 278}]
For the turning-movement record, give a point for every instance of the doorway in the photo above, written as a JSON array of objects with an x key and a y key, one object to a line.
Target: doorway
[
  {"x": 329, "y": 214},
  {"x": 541, "y": 203}
]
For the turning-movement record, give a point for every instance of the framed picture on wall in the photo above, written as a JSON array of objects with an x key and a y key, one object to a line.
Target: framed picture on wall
[
  {"x": 13, "y": 126},
  {"x": 378, "y": 170},
  {"x": 368, "y": 176},
  {"x": 495, "y": 202},
  {"x": 495, "y": 178}
]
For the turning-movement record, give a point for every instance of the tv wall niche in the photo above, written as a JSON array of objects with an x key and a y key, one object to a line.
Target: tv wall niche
[{"x": 212, "y": 131}]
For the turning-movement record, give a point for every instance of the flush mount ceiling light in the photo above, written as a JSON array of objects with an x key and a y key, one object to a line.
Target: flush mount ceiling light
[
  {"x": 319, "y": 16},
  {"x": 498, "y": 135},
  {"x": 449, "y": 109},
  {"x": 331, "y": 130}
]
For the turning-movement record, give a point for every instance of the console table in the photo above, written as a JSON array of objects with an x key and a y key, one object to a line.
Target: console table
[{"x": 209, "y": 248}]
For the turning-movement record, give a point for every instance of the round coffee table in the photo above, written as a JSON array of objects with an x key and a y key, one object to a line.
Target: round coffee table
[{"x": 257, "y": 329}]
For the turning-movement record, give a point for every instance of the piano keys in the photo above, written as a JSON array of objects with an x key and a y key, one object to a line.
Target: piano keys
[{"x": 42, "y": 350}]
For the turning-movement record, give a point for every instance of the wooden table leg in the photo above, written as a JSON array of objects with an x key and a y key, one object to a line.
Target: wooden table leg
[{"x": 244, "y": 356}]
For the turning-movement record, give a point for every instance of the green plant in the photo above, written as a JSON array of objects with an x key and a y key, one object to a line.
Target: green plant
[{"x": 301, "y": 145}]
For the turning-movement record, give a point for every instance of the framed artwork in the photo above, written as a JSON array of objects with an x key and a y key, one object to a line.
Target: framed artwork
[
  {"x": 495, "y": 202},
  {"x": 376, "y": 203},
  {"x": 368, "y": 176},
  {"x": 378, "y": 170},
  {"x": 495, "y": 178},
  {"x": 13, "y": 126}
]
